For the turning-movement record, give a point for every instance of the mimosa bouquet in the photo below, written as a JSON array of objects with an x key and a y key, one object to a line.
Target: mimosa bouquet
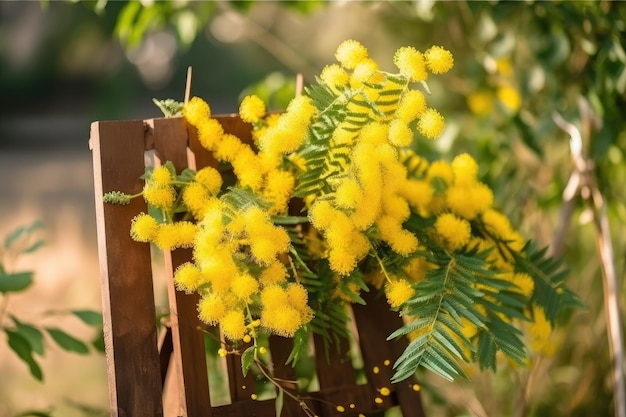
[{"x": 331, "y": 199}]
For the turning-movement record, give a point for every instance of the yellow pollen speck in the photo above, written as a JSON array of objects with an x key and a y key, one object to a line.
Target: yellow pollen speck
[
  {"x": 243, "y": 387},
  {"x": 378, "y": 400},
  {"x": 376, "y": 369},
  {"x": 385, "y": 391},
  {"x": 254, "y": 396},
  {"x": 352, "y": 405},
  {"x": 222, "y": 352},
  {"x": 262, "y": 350},
  {"x": 387, "y": 362},
  {"x": 341, "y": 408},
  {"x": 416, "y": 387},
  {"x": 247, "y": 338}
]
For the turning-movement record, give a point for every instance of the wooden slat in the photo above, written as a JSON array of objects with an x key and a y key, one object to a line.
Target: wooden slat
[
  {"x": 169, "y": 137},
  {"x": 334, "y": 368},
  {"x": 127, "y": 294},
  {"x": 280, "y": 349},
  {"x": 239, "y": 386},
  {"x": 375, "y": 322}
]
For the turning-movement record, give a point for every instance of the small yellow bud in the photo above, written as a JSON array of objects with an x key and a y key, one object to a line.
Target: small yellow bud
[
  {"x": 262, "y": 350},
  {"x": 254, "y": 396},
  {"x": 378, "y": 400},
  {"x": 341, "y": 408},
  {"x": 376, "y": 369},
  {"x": 247, "y": 339},
  {"x": 416, "y": 387},
  {"x": 222, "y": 352},
  {"x": 385, "y": 391}
]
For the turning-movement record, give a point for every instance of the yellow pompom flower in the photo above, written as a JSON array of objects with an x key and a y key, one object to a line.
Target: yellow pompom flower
[
  {"x": 196, "y": 111},
  {"x": 373, "y": 133},
  {"x": 348, "y": 194},
  {"x": 412, "y": 104},
  {"x": 454, "y": 231},
  {"x": 159, "y": 197},
  {"x": 441, "y": 169},
  {"x": 400, "y": 134},
  {"x": 480, "y": 102},
  {"x": 510, "y": 98},
  {"x": 334, "y": 76},
  {"x": 438, "y": 60},
  {"x": 273, "y": 296},
  {"x": 166, "y": 237},
  {"x": 366, "y": 71},
  {"x": 342, "y": 261},
  {"x": 143, "y": 228},
  {"x": 321, "y": 214},
  {"x": 301, "y": 109},
  {"x": 411, "y": 63},
  {"x": 418, "y": 194},
  {"x": 161, "y": 177},
  {"x": 350, "y": 53},
  {"x": 228, "y": 148},
  {"x": 282, "y": 320},
  {"x": 243, "y": 286},
  {"x": 539, "y": 331},
  {"x": 210, "y": 134},
  {"x": 298, "y": 297},
  {"x": 274, "y": 273},
  {"x": 252, "y": 109},
  {"x": 187, "y": 277},
  {"x": 398, "y": 292},
  {"x": 431, "y": 123},
  {"x": 278, "y": 188},
  {"x": 391, "y": 231},
  {"x": 465, "y": 169},
  {"x": 211, "y": 309},
  {"x": 195, "y": 197},
  {"x": 233, "y": 325},
  {"x": 210, "y": 178},
  {"x": 469, "y": 199}
]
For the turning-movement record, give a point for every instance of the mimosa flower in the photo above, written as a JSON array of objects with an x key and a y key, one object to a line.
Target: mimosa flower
[
  {"x": 233, "y": 325},
  {"x": 252, "y": 109},
  {"x": 411, "y": 63},
  {"x": 438, "y": 60},
  {"x": 196, "y": 111},
  {"x": 211, "y": 309},
  {"x": 412, "y": 104},
  {"x": 187, "y": 277},
  {"x": 143, "y": 228},
  {"x": 454, "y": 231},
  {"x": 431, "y": 123},
  {"x": 398, "y": 292},
  {"x": 350, "y": 53}
]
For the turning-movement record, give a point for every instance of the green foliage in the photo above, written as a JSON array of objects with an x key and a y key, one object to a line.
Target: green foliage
[{"x": 27, "y": 340}]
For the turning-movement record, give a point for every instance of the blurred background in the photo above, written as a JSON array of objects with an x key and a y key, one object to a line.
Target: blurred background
[{"x": 66, "y": 64}]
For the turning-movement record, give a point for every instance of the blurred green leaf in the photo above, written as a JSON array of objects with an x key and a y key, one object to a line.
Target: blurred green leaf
[
  {"x": 35, "y": 413},
  {"x": 20, "y": 345},
  {"x": 66, "y": 341},
  {"x": 98, "y": 342},
  {"x": 33, "y": 335},
  {"x": 12, "y": 237},
  {"x": 17, "y": 282},
  {"x": 89, "y": 317},
  {"x": 247, "y": 358}
]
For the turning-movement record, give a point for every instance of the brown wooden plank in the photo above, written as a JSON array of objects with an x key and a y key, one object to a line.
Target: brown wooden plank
[
  {"x": 127, "y": 294},
  {"x": 166, "y": 348},
  {"x": 239, "y": 386},
  {"x": 375, "y": 322},
  {"x": 334, "y": 368},
  {"x": 169, "y": 137},
  {"x": 280, "y": 349}
]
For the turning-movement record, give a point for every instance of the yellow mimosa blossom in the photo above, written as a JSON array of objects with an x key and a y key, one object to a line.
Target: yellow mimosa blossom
[
  {"x": 398, "y": 292},
  {"x": 233, "y": 325},
  {"x": 504, "y": 66},
  {"x": 159, "y": 197},
  {"x": 441, "y": 169},
  {"x": 282, "y": 320},
  {"x": 187, "y": 277},
  {"x": 480, "y": 102},
  {"x": 465, "y": 168},
  {"x": 334, "y": 76},
  {"x": 274, "y": 295},
  {"x": 342, "y": 261},
  {"x": 418, "y": 194},
  {"x": 143, "y": 228},
  {"x": 210, "y": 134},
  {"x": 366, "y": 71},
  {"x": 431, "y": 123},
  {"x": 211, "y": 309},
  {"x": 400, "y": 134},
  {"x": 244, "y": 285},
  {"x": 411, "y": 63},
  {"x": 210, "y": 178},
  {"x": 438, "y": 60},
  {"x": 391, "y": 231},
  {"x": 321, "y": 214},
  {"x": 510, "y": 98},
  {"x": 412, "y": 104},
  {"x": 274, "y": 273},
  {"x": 396, "y": 207},
  {"x": 348, "y": 194},
  {"x": 350, "y": 53},
  {"x": 373, "y": 133},
  {"x": 251, "y": 109},
  {"x": 298, "y": 296},
  {"x": 195, "y": 197},
  {"x": 175, "y": 235},
  {"x": 470, "y": 199},
  {"x": 196, "y": 111},
  {"x": 301, "y": 109},
  {"x": 228, "y": 148},
  {"x": 496, "y": 223},
  {"x": 416, "y": 268},
  {"x": 278, "y": 189},
  {"x": 454, "y": 231},
  {"x": 161, "y": 177},
  {"x": 539, "y": 330}
]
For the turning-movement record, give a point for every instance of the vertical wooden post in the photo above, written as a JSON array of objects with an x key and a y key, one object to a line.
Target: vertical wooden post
[{"x": 126, "y": 276}]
